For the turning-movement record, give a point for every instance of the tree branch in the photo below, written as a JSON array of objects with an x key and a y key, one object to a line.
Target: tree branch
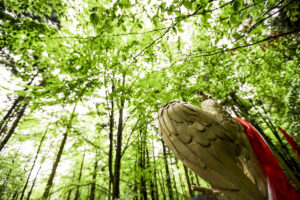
[{"x": 245, "y": 45}]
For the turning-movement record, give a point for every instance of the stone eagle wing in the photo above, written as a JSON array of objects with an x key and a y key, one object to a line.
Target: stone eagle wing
[{"x": 207, "y": 148}]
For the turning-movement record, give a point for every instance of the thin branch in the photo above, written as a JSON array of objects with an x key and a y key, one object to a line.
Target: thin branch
[
  {"x": 238, "y": 12},
  {"x": 108, "y": 36},
  {"x": 273, "y": 7},
  {"x": 245, "y": 45},
  {"x": 89, "y": 142},
  {"x": 134, "y": 58},
  {"x": 131, "y": 133},
  {"x": 128, "y": 117},
  {"x": 262, "y": 20}
]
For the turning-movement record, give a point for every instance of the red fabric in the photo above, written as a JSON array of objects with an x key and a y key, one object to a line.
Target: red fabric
[
  {"x": 290, "y": 140},
  {"x": 281, "y": 188}
]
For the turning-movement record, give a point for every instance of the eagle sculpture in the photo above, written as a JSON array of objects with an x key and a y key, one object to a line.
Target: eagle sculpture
[{"x": 214, "y": 145}]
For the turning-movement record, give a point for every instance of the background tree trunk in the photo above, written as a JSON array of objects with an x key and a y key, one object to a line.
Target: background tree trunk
[
  {"x": 79, "y": 178},
  {"x": 93, "y": 185},
  {"x": 59, "y": 154},
  {"x": 34, "y": 162},
  {"x": 168, "y": 176},
  {"x": 117, "y": 168},
  {"x": 13, "y": 127}
]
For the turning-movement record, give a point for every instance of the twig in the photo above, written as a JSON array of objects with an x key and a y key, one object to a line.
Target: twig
[{"x": 246, "y": 45}]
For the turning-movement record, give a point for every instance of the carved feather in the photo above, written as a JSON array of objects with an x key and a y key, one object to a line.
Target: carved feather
[{"x": 214, "y": 148}]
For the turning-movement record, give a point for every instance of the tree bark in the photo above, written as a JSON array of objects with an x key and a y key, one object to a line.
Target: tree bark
[
  {"x": 9, "y": 114},
  {"x": 168, "y": 177},
  {"x": 142, "y": 165},
  {"x": 14, "y": 107},
  {"x": 155, "y": 174},
  {"x": 59, "y": 154},
  {"x": 162, "y": 186},
  {"x": 152, "y": 185},
  {"x": 33, "y": 184},
  {"x": 33, "y": 165},
  {"x": 111, "y": 136},
  {"x": 13, "y": 127},
  {"x": 188, "y": 180},
  {"x": 117, "y": 167},
  {"x": 93, "y": 185},
  {"x": 175, "y": 186},
  {"x": 71, "y": 189},
  {"x": 79, "y": 177}
]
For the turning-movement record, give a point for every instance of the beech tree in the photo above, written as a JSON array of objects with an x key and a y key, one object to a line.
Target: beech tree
[{"x": 117, "y": 62}]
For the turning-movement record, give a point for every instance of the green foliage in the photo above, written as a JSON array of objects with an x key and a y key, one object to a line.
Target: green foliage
[{"x": 136, "y": 56}]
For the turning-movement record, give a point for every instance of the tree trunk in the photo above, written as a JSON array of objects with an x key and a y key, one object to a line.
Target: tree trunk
[
  {"x": 34, "y": 181},
  {"x": 152, "y": 185},
  {"x": 71, "y": 189},
  {"x": 59, "y": 154},
  {"x": 197, "y": 179},
  {"x": 79, "y": 177},
  {"x": 111, "y": 136},
  {"x": 175, "y": 186},
  {"x": 13, "y": 127},
  {"x": 143, "y": 182},
  {"x": 13, "y": 108},
  {"x": 15, "y": 195},
  {"x": 117, "y": 167},
  {"x": 9, "y": 114},
  {"x": 168, "y": 177},
  {"x": 34, "y": 162},
  {"x": 6, "y": 180},
  {"x": 188, "y": 180},
  {"x": 162, "y": 185},
  {"x": 155, "y": 174},
  {"x": 135, "y": 188},
  {"x": 93, "y": 185}
]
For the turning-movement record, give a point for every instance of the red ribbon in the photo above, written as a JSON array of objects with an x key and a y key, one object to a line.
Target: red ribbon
[
  {"x": 280, "y": 186},
  {"x": 290, "y": 140}
]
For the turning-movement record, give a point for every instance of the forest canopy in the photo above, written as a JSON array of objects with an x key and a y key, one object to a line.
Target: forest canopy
[{"x": 82, "y": 82}]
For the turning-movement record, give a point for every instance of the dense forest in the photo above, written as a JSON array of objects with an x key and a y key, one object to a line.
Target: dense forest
[{"x": 82, "y": 82}]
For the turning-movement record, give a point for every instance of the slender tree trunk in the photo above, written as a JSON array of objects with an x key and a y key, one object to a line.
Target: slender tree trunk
[
  {"x": 79, "y": 177},
  {"x": 188, "y": 180},
  {"x": 182, "y": 186},
  {"x": 197, "y": 179},
  {"x": 36, "y": 176},
  {"x": 13, "y": 127},
  {"x": 162, "y": 186},
  {"x": 117, "y": 168},
  {"x": 175, "y": 186},
  {"x": 135, "y": 188},
  {"x": 143, "y": 182},
  {"x": 111, "y": 136},
  {"x": 33, "y": 184},
  {"x": 6, "y": 180},
  {"x": 155, "y": 174},
  {"x": 15, "y": 195},
  {"x": 71, "y": 189},
  {"x": 33, "y": 165},
  {"x": 152, "y": 185},
  {"x": 59, "y": 154},
  {"x": 93, "y": 185},
  {"x": 9, "y": 114},
  {"x": 168, "y": 177},
  {"x": 14, "y": 107}
]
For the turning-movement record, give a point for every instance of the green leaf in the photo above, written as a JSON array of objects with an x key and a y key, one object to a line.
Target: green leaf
[
  {"x": 123, "y": 27},
  {"x": 187, "y": 4},
  {"x": 94, "y": 18}
]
